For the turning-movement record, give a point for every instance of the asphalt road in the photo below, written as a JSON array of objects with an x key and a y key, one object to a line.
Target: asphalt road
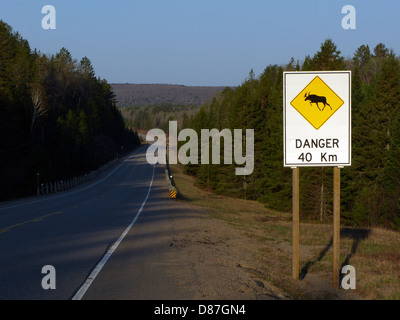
[{"x": 73, "y": 231}]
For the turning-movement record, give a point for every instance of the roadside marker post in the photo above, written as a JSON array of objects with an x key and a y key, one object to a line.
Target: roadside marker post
[
  {"x": 317, "y": 133},
  {"x": 172, "y": 194}
]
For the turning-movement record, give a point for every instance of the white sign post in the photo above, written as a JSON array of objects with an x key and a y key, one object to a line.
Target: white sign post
[{"x": 317, "y": 133}]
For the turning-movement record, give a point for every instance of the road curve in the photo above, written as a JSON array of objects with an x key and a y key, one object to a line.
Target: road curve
[{"x": 73, "y": 231}]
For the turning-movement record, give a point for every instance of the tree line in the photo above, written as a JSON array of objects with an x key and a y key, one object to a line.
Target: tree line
[
  {"x": 56, "y": 117},
  {"x": 370, "y": 188},
  {"x": 149, "y": 95},
  {"x": 156, "y": 116}
]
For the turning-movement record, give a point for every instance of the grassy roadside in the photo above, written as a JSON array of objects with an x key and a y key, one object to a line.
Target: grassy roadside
[{"x": 373, "y": 252}]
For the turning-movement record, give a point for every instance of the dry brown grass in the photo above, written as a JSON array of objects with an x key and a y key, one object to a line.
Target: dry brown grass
[{"x": 373, "y": 252}]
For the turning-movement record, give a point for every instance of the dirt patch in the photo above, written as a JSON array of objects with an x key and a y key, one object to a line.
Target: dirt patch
[
  {"x": 239, "y": 249},
  {"x": 223, "y": 262}
]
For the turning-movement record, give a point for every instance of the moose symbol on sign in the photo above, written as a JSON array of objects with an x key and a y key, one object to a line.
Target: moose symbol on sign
[{"x": 316, "y": 99}]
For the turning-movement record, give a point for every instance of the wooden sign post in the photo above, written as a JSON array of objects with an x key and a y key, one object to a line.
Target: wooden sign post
[
  {"x": 296, "y": 223},
  {"x": 336, "y": 226}
]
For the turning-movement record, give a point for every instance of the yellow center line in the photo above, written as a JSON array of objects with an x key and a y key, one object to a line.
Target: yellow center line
[{"x": 29, "y": 221}]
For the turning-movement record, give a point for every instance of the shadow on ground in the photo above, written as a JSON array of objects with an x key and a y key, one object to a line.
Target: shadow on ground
[{"x": 356, "y": 234}]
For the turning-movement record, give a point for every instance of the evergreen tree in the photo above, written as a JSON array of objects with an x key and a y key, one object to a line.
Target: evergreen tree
[
  {"x": 328, "y": 58},
  {"x": 381, "y": 51},
  {"x": 362, "y": 54}
]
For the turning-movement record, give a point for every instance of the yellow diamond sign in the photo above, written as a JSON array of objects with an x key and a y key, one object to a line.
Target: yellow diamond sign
[{"x": 317, "y": 102}]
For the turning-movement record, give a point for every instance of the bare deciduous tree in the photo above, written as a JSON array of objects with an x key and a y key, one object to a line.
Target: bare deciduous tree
[{"x": 38, "y": 106}]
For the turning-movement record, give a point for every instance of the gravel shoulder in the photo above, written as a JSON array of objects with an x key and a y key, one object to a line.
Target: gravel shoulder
[{"x": 218, "y": 262}]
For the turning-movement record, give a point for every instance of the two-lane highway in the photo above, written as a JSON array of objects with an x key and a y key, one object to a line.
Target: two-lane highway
[{"x": 73, "y": 231}]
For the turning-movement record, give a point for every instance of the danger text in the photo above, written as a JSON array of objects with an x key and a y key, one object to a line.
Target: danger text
[{"x": 317, "y": 143}]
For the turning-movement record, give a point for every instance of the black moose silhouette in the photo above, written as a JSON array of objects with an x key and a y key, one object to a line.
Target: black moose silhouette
[{"x": 316, "y": 99}]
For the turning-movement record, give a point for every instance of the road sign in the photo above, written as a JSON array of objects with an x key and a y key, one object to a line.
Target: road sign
[
  {"x": 317, "y": 118},
  {"x": 315, "y": 108}
]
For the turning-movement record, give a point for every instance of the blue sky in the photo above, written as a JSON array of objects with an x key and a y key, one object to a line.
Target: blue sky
[{"x": 193, "y": 42}]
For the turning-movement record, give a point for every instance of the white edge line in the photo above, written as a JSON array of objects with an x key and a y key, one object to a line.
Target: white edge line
[{"x": 82, "y": 290}]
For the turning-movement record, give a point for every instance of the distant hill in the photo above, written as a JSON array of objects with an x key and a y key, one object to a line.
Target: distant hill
[{"x": 162, "y": 94}]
